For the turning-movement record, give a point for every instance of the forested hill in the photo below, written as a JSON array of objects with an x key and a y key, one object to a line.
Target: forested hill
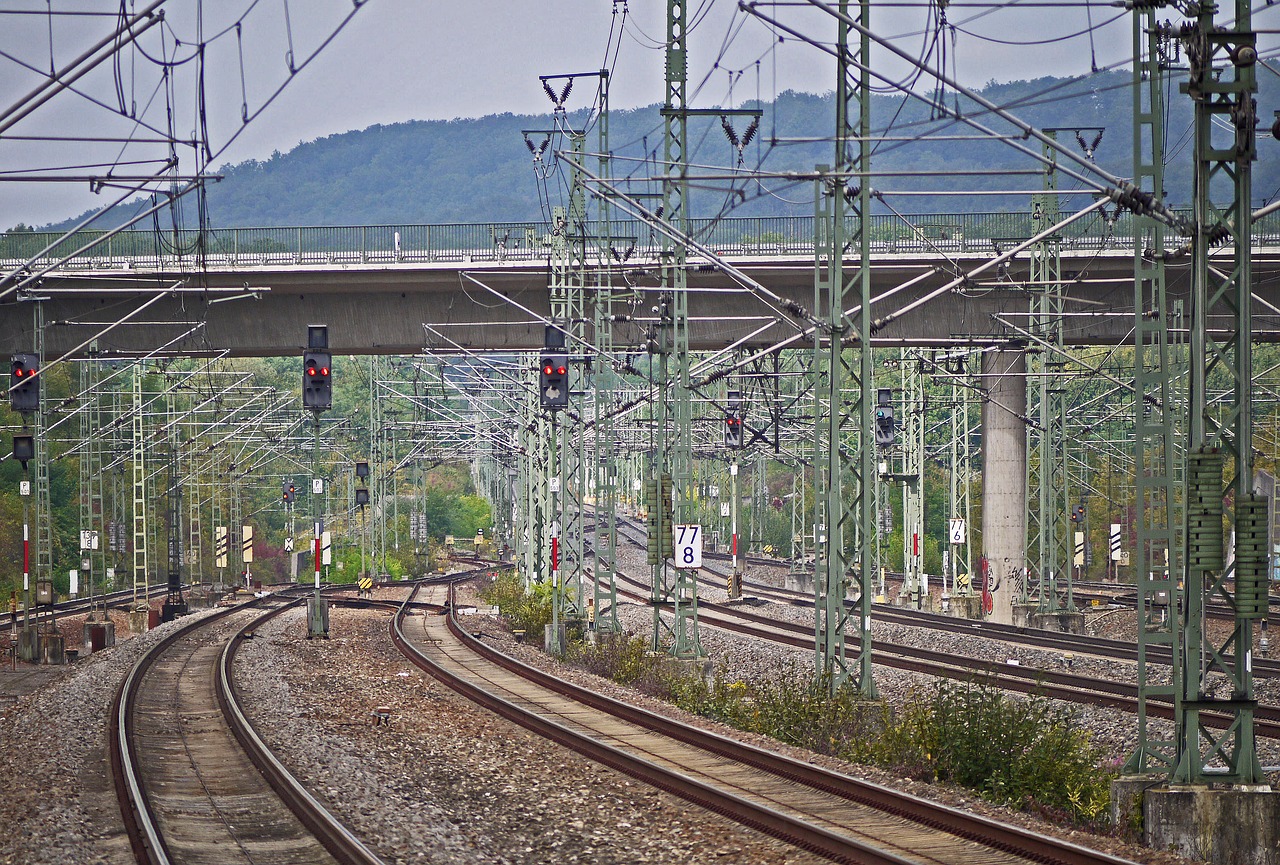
[{"x": 476, "y": 170}]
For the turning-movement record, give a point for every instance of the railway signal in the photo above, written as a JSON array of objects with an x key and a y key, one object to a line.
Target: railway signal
[
  {"x": 886, "y": 434},
  {"x": 288, "y": 492},
  {"x": 24, "y": 449},
  {"x": 24, "y": 382},
  {"x": 317, "y": 381},
  {"x": 553, "y": 381},
  {"x": 733, "y": 431}
]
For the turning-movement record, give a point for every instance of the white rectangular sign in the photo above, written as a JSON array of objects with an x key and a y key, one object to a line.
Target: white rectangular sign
[
  {"x": 317, "y": 486},
  {"x": 1079, "y": 549},
  {"x": 724, "y": 509},
  {"x": 688, "y": 545},
  {"x": 957, "y": 531},
  {"x": 75, "y": 583},
  {"x": 1115, "y": 542},
  {"x": 326, "y": 548}
]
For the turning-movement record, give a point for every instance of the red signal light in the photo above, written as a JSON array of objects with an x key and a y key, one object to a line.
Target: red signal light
[
  {"x": 324, "y": 370},
  {"x": 311, "y": 370},
  {"x": 548, "y": 369},
  {"x": 560, "y": 370}
]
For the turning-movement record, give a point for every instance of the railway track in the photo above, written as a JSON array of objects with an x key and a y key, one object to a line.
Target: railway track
[
  {"x": 1087, "y": 690},
  {"x": 194, "y": 781},
  {"x": 834, "y": 815},
  {"x": 1052, "y": 641},
  {"x": 1059, "y": 685},
  {"x": 1084, "y": 591}
]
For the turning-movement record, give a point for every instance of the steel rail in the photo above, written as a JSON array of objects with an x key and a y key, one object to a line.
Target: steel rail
[
  {"x": 979, "y": 829},
  {"x": 140, "y": 819},
  {"x": 336, "y": 838}
]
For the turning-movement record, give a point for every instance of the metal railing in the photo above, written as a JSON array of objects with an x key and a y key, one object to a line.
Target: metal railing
[{"x": 624, "y": 241}]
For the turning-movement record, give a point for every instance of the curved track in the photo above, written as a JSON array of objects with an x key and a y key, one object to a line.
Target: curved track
[
  {"x": 834, "y": 815},
  {"x": 1076, "y": 644},
  {"x": 195, "y": 783}
]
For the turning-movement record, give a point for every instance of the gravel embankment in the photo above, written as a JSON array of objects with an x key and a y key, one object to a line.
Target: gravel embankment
[
  {"x": 58, "y": 805},
  {"x": 448, "y": 782}
]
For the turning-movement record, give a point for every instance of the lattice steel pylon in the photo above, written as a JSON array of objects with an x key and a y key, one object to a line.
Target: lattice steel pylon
[
  {"x": 567, "y": 291},
  {"x": 911, "y": 440},
  {"x": 960, "y": 477},
  {"x": 92, "y": 515},
  {"x": 1155, "y": 413},
  {"x": 139, "y": 453},
  {"x": 1048, "y": 500},
  {"x": 673, "y": 455},
  {"x": 844, "y": 457},
  {"x": 1223, "y": 82}
]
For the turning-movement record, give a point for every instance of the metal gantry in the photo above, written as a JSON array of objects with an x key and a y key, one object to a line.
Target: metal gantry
[
  {"x": 914, "y": 589},
  {"x": 1049, "y": 542},
  {"x": 672, "y": 461},
  {"x": 1223, "y": 83},
  {"x": 844, "y": 459},
  {"x": 1156, "y": 415}
]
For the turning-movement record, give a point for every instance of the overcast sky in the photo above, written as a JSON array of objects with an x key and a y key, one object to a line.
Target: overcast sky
[{"x": 400, "y": 60}]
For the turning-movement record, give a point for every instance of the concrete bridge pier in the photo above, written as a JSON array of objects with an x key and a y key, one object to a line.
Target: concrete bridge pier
[{"x": 1004, "y": 471}]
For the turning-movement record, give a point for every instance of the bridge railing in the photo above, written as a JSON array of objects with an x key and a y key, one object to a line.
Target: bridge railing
[{"x": 621, "y": 241}]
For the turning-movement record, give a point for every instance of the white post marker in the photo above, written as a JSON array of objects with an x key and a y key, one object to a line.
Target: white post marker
[
  {"x": 956, "y": 531},
  {"x": 688, "y": 546}
]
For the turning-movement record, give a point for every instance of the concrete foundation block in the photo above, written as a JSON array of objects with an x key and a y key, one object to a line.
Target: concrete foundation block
[
  {"x": 53, "y": 649},
  {"x": 28, "y": 645},
  {"x": 553, "y": 639},
  {"x": 99, "y": 636},
  {"x": 798, "y": 583},
  {"x": 317, "y": 618},
  {"x": 1232, "y": 826},
  {"x": 139, "y": 621},
  {"x": 1060, "y": 622},
  {"x": 1022, "y": 615},
  {"x": 966, "y": 607}
]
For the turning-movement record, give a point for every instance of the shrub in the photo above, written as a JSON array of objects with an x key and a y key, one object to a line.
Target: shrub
[
  {"x": 524, "y": 609},
  {"x": 1027, "y": 753}
]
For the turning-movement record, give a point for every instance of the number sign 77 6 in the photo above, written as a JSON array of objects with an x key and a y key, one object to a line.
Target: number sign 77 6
[{"x": 688, "y": 546}]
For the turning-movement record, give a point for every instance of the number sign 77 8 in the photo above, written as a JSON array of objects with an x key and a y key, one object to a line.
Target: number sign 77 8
[{"x": 688, "y": 546}]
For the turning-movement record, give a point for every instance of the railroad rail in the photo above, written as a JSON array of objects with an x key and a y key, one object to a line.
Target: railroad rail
[
  {"x": 834, "y": 815},
  {"x": 1059, "y": 685},
  {"x": 1054, "y": 641},
  {"x": 194, "y": 781}
]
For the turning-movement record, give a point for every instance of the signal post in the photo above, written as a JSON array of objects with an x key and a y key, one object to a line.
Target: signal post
[
  {"x": 24, "y": 397},
  {"x": 733, "y": 441},
  {"x": 317, "y": 397}
]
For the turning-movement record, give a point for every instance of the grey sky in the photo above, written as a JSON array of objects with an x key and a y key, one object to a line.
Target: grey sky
[{"x": 415, "y": 59}]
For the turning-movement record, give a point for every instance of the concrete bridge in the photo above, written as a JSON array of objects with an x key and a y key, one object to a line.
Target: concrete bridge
[{"x": 400, "y": 289}]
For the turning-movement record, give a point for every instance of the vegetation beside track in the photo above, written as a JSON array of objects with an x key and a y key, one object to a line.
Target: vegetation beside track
[{"x": 1027, "y": 753}]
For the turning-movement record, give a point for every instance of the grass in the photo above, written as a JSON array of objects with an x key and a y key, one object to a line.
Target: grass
[{"x": 1028, "y": 753}]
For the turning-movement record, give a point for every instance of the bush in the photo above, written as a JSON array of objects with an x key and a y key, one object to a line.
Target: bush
[
  {"x": 524, "y": 609},
  {"x": 1025, "y": 753}
]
